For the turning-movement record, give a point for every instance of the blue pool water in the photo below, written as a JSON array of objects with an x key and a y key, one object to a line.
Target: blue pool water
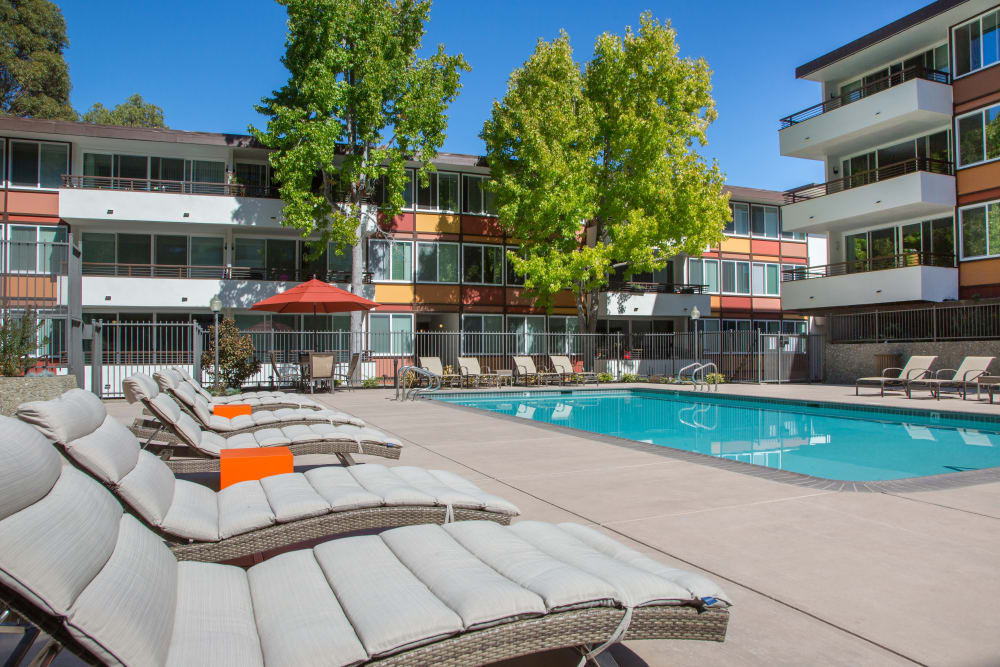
[{"x": 813, "y": 439}]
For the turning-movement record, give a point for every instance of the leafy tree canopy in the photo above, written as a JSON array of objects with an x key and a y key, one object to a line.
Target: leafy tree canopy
[
  {"x": 597, "y": 167},
  {"x": 358, "y": 104},
  {"x": 34, "y": 78},
  {"x": 133, "y": 112}
]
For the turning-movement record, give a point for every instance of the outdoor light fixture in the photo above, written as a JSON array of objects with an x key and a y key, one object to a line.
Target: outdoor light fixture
[
  {"x": 216, "y": 305},
  {"x": 695, "y": 316},
  {"x": 187, "y": 215},
  {"x": 107, "y": 298},
  {"x": 110, "y": 211}
]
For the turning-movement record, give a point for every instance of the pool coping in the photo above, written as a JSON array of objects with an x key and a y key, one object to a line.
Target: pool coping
[{"x": 942, "y": 481}]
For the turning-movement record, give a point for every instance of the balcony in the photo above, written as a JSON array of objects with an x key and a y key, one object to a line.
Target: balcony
[
  {"x": 155, "y": 200},
  {"x": 912, "y": 188},
  {"x": 907, "y": 103},
  {"x": 908, "y": 277},
  {"x": 638, "y": 299}
]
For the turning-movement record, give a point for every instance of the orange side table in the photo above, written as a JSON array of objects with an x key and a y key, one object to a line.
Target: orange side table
[
  {"x": 231, "y": 410},
  {"x": 240, "y": 465}
]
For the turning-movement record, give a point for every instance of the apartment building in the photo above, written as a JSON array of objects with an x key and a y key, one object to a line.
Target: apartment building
[
  {"x": 908, "y": 130},
  {"x": 168, "y": 219}
]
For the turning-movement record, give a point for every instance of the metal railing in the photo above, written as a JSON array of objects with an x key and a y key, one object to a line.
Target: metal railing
[
  {"x": 902, "y": 260},
  {"x": 979, "y": 321},
  {"x": 887, "y": 172},
  {"x": 660, "y": 288},
  {"x": 168, "y": 186},
  {"x": 918, "y": 72},
  {"x": 215, "y": 272}
]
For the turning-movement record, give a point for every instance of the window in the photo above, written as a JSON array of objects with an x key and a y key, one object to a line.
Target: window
[
  {"x": 440, "y": 194},
  {"x": 311, "y": 265},
  {"x": 207, "y": 251},
  {"x": 704, "y": 272},
  {"x": 437, "y": 262},
  {"x": 170, "y": 250},
  {"x": 254, "y": 178},
  {"x": 800, "y": 327},
  {"x": 135, "y": 249},
  {"x": 391, "y": 334},
  {"x": 35, "y": 164},
  {"x": 3, "y": 160},
  {"x": 281, "y": 259},
  {"x": 980, "y": 229},
  {"x": 98, "y": 253},
  {"x": 482, "y": 264},
  {"x": 475, "y": 199},
  {"x": 976, "y": 43},
  {"x": 764, "y": 221},
  {"x": 480, "y": 334},
  {"x": 567, "y": 343},
  {"x": 339, "y": 266},
  {"x": 167, "y": 169},
  {"x": 979, "y": 136},
  {"x": 513, "y": 278},
  {"x": 528, "y": 333},
  {"x": 893, "y": 74},
  {"x": 764, "y": 279},
  {"x": 739, "y": 225},
  {"x": 249, "y": 253},
  {"x": 794, "y": 271},
  {"x": 391, "y": 261},
  {"x": 32, "y": 249},
  {"x": 735, "y": 277}
]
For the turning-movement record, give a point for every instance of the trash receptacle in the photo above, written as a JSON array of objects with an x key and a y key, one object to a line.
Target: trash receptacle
[{"x": 883, "y": 361}]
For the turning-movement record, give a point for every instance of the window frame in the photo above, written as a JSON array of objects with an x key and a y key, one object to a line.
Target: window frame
[
  {"x": 437, "y": 263},
  {"x": 519, "y": 339},
  {"x": 405, "y": 350},
  {"x": 764, "y": 269},
  {"x": 463, "y": 177},
  {"x": 9, "y": 163},
  {"x": 435, "y": 206},
  {"x": 736, "y": 277},
  {"x": 961, "y": 229},
  {"x": 764, "y": 208},
  {"x": 982, "y": 125},
  {"x": 482, "y": 259},
  {"x": 38, "y": 260},
  {"x": 467, "y": 344},
  {"x": 718, "y": 269},
  {"x": 390, "y": 243},
  {"x": 732, "y": 221},
  {"x": 954, "y": 45}
]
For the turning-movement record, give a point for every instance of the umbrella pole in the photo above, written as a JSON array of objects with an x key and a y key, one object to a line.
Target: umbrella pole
[{"x": 315, "y": 332}]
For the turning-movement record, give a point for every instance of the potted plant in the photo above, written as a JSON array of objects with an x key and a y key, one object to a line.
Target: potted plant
[{"x": 23, "y": 375}]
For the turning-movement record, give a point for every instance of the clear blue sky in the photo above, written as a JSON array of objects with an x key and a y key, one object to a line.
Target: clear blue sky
[{"x": 206, "y": 62}]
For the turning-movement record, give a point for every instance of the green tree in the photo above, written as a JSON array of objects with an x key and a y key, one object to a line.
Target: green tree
[
  {"x": 237, "y": 362},
  {"x": 598, "y": 167},
  {"x": 358, "y": 104},
  {"x": 34, "y": 78},
  {"x": 19, "y": 342},
  {"x": 133, "y": 112}
]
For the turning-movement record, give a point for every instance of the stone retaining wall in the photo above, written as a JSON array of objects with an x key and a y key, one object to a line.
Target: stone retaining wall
[
  {"x": 846, "y": 362},
  {"x": 17, "y": 390}
]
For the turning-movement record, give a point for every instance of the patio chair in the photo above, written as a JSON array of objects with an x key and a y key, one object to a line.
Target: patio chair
[
  {"x": 915, "y": 369},
  {"x": 172, "y": 381},
  {"x": 270, "y": 399},
  {"x": 341, "y": 440},
  {"x": 321, "y": 366},
  {"x": 961, "y": 378},
  {"x": 433, "y": 365},
  {"x": 473, "y": 374},
  {"x": 524, "y": 369},
  {"x": 562, "y": 365},
  {"x": 284, "y": 374},
  {"x": 988, "y": 383},
  {"x": 350, "y": 378},
  {"x": 254, "y": 516},
  {"x": 105, "y": 587},
  {"x": 195, "y": 406}
]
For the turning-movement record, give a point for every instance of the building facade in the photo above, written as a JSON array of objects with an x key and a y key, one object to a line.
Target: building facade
[
  {"x": 168, "y": 219},
  {"x": 908, "y": 130}
]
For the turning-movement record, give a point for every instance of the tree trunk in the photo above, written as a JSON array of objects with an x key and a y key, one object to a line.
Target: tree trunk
[{"x": 357, "y": 274}]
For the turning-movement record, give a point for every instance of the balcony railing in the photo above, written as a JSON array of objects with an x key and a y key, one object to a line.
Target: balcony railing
[
  {"x": 659, "y": 288},
  {"x": 900, "y": 261},
  {"x": 168, "y": 186},
  {"x": 866, "y": 91},
  {"x": 214, "y": 272},
  {"x": 872, "y": 176}
]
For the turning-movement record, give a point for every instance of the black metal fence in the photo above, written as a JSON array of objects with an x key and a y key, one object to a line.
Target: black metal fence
[{"x": 979, "y": 321}]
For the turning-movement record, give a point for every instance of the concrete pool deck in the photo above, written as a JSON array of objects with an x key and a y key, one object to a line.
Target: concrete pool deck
[{"x": 817, "y": 576}]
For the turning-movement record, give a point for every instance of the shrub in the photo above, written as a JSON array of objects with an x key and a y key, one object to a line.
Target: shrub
[
  {"x": 19, "y": 343},
  {"x": 237, "y": 362},
  {"x": 370, "y": 383},
  {"x": 715, "y": 378},
  {"x": 629, "y": 377},
  {"x": 605, "y": 377}
]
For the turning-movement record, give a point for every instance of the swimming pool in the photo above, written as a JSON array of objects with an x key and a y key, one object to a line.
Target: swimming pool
[{"x": 820, "y": 439}]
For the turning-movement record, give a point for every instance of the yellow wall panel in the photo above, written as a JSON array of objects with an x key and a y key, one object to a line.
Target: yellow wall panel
[
  {"x": 735, "y": 245},
  {"x": 438, "y": 223},
  {"x": 437, "y": 294},
  {"x": 979, "y": 272},
  {"x": 386, "y": 293}
]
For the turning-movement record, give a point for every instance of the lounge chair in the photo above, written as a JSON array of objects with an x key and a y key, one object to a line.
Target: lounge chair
[
  {"x": 341, "y": 440},
  {"x": 433, "y": 365},
  {"x": 524, "y": 369},
  {"x": 195, "y": 406},
  {"x": 473, "y": 374},
  {"x": 988, "y": 383},
  {"x": 250, "y": 517},
  {"x": 270, "y": 400},
  {"x": 562, "y": 365},
  {"x": 915, "y": 369},
  {"x": 961, "y": 378},
  {"x": 106, "y": 587}
]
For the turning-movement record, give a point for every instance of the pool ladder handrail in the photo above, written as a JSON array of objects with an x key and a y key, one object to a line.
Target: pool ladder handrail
[
  {"x": 412, "y": 393},
  {"x": 698, "y": 367}
]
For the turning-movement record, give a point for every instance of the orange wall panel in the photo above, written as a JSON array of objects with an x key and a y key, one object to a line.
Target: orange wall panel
[
  {"x": 36, "y": 290},
  {"x": 491, "y": 240},
  {"x": 437, "y": 222},
  {"x": 977, "y": 179},
  {"x": 401, "y": 223},
  {"x": 765, "y": 247},
  {"x": 482, "y": 295},
  {"x": 766, "y": 304},
  {"x": 766, "y": 258},
  {"x": 979, "y": 272},
  {"x": 716, "y": 303},
  {"x": 485, "y": 226},
  {"x": 795, "y": 250},
  {"x": 33, "y": 203},
  {"x": 437, "y": 294},
  {"x": 735, "y": 245},
  {"x": 564, "y": 299},
  {"x": 736, "y": 303},
  {"x": 388, "y": 293},
  {"x": 515, "y": 297}
]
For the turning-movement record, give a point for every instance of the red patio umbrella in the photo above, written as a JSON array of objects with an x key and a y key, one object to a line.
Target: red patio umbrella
[{"x": 316, "y": 297}]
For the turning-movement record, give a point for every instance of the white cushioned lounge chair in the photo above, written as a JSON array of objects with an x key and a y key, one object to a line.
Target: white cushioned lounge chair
[
  {"x": 254, "y": 516},
  {"x": 265, "y": 400},
  {"x": 341, "y": 440},
  {"x": 102, "y": 584}
]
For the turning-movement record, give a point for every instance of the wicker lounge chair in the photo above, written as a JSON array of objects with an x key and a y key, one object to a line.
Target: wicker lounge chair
[
  {"x": 961, "y": 378},
  {"x": 473, "y": 374},
  {"x": 433, "y": 365},
  {"x": 897, "y": 378},
  {"x": 524, "y": 370},
  {"x": 341, "y": 440},
  {"x": 271, "y": 400},
  {"x": 202, "y": 412},
  {"x": 104, "y": 586},
  {"x": 254, "y": 516},
  {"x": 562, "y": 365}
]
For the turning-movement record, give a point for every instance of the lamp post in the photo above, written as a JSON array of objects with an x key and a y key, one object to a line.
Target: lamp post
[
  {"x": 695, "y": 315},
  {"x": 216, "y": 305}
]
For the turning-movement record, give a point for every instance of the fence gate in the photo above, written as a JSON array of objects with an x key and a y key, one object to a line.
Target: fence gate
[{"x": 119, "y": 349}]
